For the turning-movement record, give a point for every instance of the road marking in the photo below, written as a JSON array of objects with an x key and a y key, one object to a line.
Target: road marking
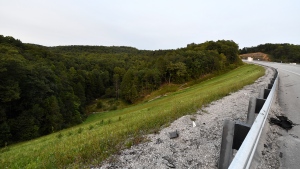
[{"x": 291, "y": 72}]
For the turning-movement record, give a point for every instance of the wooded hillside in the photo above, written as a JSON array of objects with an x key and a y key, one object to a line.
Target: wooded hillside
[
  {"x": 278, "y": 52},
  {"x": 46, "y": 89}
]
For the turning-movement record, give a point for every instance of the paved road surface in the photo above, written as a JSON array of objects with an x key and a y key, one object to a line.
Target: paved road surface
[{"x": 289, "y": 101}]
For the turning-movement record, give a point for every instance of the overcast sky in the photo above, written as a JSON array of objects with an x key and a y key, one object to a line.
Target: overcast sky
[{"x": 150, "y": 24}]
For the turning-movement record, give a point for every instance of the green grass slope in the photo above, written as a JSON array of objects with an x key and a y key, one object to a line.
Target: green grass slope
[{"x": 103, "y": 134}]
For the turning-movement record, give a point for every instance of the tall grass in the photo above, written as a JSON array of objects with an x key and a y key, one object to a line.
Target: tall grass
[{"x": 104, "y": 134}]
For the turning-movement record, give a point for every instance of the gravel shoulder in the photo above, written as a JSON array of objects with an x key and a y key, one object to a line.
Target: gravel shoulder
[
  {"x": 196, "y": 146},
  {"x": 268, "y": 150}
]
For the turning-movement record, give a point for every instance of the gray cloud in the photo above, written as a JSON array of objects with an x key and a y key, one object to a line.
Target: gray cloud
[{"x": 156, "y": 24}]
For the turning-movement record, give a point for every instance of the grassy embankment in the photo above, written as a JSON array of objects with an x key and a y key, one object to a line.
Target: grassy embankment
[{"x": 104, "y": 134}]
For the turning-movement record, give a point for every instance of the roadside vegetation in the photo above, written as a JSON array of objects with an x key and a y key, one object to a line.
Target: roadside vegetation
[
  {"x": 46, "y": 89},
  {"x": 104, "y": 134}
]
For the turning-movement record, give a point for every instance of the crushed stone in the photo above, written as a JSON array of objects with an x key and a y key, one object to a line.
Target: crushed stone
[{"x": 199, "y": 138}]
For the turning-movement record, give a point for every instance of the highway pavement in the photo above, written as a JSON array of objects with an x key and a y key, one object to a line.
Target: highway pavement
[{"x": 289, "y": 101}]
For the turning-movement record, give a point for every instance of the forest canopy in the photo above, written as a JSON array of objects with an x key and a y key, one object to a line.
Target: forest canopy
[{"x": 46, "y": 89}]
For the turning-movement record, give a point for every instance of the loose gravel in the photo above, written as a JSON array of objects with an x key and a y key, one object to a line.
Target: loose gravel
[
  {"x": 199, "y": 136},
  {"x": 269, "y": 154}
]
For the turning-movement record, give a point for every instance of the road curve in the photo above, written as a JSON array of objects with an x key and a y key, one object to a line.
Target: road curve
[{"x": 289, "y": 101}]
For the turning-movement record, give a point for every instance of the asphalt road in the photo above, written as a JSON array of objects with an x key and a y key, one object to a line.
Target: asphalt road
[{"x": 289, "y": 101}]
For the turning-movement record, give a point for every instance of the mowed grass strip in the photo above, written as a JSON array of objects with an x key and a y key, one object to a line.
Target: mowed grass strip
[{"x": 104, "y": 134}]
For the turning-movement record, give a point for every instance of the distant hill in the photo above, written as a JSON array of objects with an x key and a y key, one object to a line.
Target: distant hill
[
  {"x": 256, "y": 56},
  {"x": 283, "y": 52}
]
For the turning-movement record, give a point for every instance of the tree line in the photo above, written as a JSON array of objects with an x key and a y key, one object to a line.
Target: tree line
[
  {"x": 46, "y": 89},
  {"x": 283, "y": 52}
]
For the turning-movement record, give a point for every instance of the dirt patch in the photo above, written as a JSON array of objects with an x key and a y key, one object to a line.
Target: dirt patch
[
  {"x": 199, "y": 135},
  {"x": 256, "y": 56}
]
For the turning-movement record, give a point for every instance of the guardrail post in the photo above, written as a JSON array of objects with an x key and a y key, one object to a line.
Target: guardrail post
[
  {"x": 270, "y": 86},
  {"x": 266, "y": 93},
  {"x": 261, "y": 93},
  {"x": 233, "y": 136},
  {"x": 251, "y": 111},
  {"x": 259, "y": 105},
  {"x": 226, "y": 151},
  {"x": 240, "y": 132}
]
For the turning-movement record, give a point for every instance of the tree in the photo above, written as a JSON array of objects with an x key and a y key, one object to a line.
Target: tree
[
  {"x": 46, "y": 89},
  {"x": 176, "y": 72},
  {"x": 128, "y": 87},
  {"x": 53, "y": 119},
  {"x": 5, "y": 134},
  {"x": 11, "y": 71},
  {"x": 117, "y": 78}
]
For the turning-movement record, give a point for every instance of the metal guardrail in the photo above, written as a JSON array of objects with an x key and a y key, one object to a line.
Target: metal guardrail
[
  {"x": 244, "y": 137},
  {"x": 244, "y": 156}
]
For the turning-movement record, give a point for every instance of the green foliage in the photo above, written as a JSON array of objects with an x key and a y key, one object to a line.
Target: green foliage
[
  {"x": 129, "y": 86},
  {"x": 79, "y": 130},
  {"x": 99, "y": 105},
  {"x": 59, "y": 135},
  {"x": 91, "y": 127},
  {"x": 91, "y": 147},
  {"x": 279, "y": 52},
  {"x": 47, "y": 89},
  {"x": 5, "y": 134},
  {"x": 177, "y": 72},
  {"x": 70, "y": 133}
]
